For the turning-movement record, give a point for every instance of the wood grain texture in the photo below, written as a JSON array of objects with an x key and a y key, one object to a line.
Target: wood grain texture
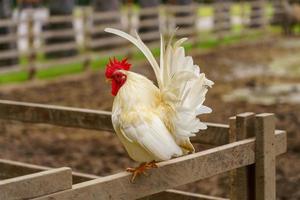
[
  {"x": 244, "y": 179},
  {"x": 169, "y": 174},
  {"x": 12, "y": 169},
  {"x": 232, "y": 174},
  {"x": 34, "y": 185},
  {"x": 265, "y": 180},
  {"x": 180, "y": 195},
  {"x": 216, "y": 134},
  {"x": 56, "y": 115}
]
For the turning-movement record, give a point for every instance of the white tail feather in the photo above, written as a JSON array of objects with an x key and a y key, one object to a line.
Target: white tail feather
[{"x": 139, "y": 44}]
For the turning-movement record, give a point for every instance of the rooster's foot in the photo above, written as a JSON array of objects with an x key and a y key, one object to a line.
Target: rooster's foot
[{"x": 141, "y": 169}]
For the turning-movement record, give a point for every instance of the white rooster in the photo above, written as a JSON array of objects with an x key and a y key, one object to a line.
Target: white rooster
[{"x": 155, "y": 123}]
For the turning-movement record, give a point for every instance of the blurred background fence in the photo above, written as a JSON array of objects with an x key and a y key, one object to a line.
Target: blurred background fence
[{"x": 34, "y": 37}]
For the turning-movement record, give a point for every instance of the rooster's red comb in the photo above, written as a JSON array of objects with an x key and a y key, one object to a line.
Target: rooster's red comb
[{"x": 114, "y": 65}]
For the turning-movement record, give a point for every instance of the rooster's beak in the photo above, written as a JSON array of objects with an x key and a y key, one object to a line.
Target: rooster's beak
[{"x": 108, "y": 80}]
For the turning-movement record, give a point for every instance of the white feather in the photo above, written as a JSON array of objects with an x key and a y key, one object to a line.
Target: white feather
[
  {"x": 190, "y": 89},
  {"x": 181, "y": 86},
  {"x": 138, "y": 43},
  {"x": 153, "y": 136}
]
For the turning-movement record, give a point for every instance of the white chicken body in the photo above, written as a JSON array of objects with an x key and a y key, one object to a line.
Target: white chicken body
[
  {"x": 137, "y": 119},
  {"x": 155, "y": 123}
]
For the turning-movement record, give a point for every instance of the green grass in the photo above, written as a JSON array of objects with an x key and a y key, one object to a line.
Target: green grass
[
  {"x": 237, "y": 9},
  {"x": 59, "y": 70},
  {"x": 205, "y": 11},
  {"x": 207, "y": 41},
  {"x": 13, "y": 77}
]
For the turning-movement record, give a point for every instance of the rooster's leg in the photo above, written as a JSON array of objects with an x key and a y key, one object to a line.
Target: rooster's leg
[{"x": 141, "y": 169}]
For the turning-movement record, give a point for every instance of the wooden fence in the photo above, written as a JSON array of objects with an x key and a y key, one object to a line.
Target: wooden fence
[
  {"x": 95, "y": 47},
  {"x": 246, "y": 148}
]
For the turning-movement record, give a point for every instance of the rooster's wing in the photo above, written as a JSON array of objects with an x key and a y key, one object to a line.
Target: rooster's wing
[{"x": 147, "y": 131}]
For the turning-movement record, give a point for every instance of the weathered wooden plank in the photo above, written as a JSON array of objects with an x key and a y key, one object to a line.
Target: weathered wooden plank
[
  {"x": 169, "y": 174},
  {"x": 265, "y": 181},
  {"x": 10, "y": 68},
  {"x": 106, "y": 15},
  {"x": 149, "y": 11},
  {"x": 59, "y": 47},
  {"x": 222, "y": 4},
  {"x": 60, "y": 19},
  {"x": 185, "y": 31},
  {"x": 11, "y": 169},
  {"x": 216, "y": 134},
  {"x": 11, "y": 37},
  {"x": 57, "y": 115},
  {"x": 232, "y": 174},
  {"x": 8, "y": 23},
  {"x": 150, "y": 35},
  {"x": 100, "y": 29},
  {"x": 34, "y": 185},
  {"x": 106, "y": 41},
  {"x": 185, "y": 19},
  {"x": 9, "y": 54},
  {"x": 181, "y": 195},
  {"x": 149, "y": 22},
  {"x": 181, "y": 8},
  {"x": 59, "y": 33},
  {"x": 244, "y": 177}
]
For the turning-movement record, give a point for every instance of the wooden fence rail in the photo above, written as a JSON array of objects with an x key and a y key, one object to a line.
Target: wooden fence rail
[
  {"x": 11, "y": 169},
  {"x": 169, "y": 174},
  {"x": 246, "y": 147},
  {"x": 37, "y": 184},
  {"x": 106, "y": 46},
  {"x": 216, "y": 134}
]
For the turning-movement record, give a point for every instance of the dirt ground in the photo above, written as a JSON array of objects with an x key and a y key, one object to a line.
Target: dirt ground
[{"x": 102, "y": 154}]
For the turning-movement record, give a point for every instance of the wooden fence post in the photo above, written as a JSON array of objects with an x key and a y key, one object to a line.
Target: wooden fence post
[
  {"x": 32, "y": 53},
  {"x": 222, "y": 18},
  {"x": 232, "y": 174},
  {"x": 129, "y": 15},
  {"x": 242, "y": 179},
  {"x": 265, "y": 183},
  {"x": 87, "y": 39}
]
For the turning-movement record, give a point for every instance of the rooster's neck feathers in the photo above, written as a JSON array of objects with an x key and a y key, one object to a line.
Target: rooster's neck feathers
[{"x": 137, "y": 90}]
